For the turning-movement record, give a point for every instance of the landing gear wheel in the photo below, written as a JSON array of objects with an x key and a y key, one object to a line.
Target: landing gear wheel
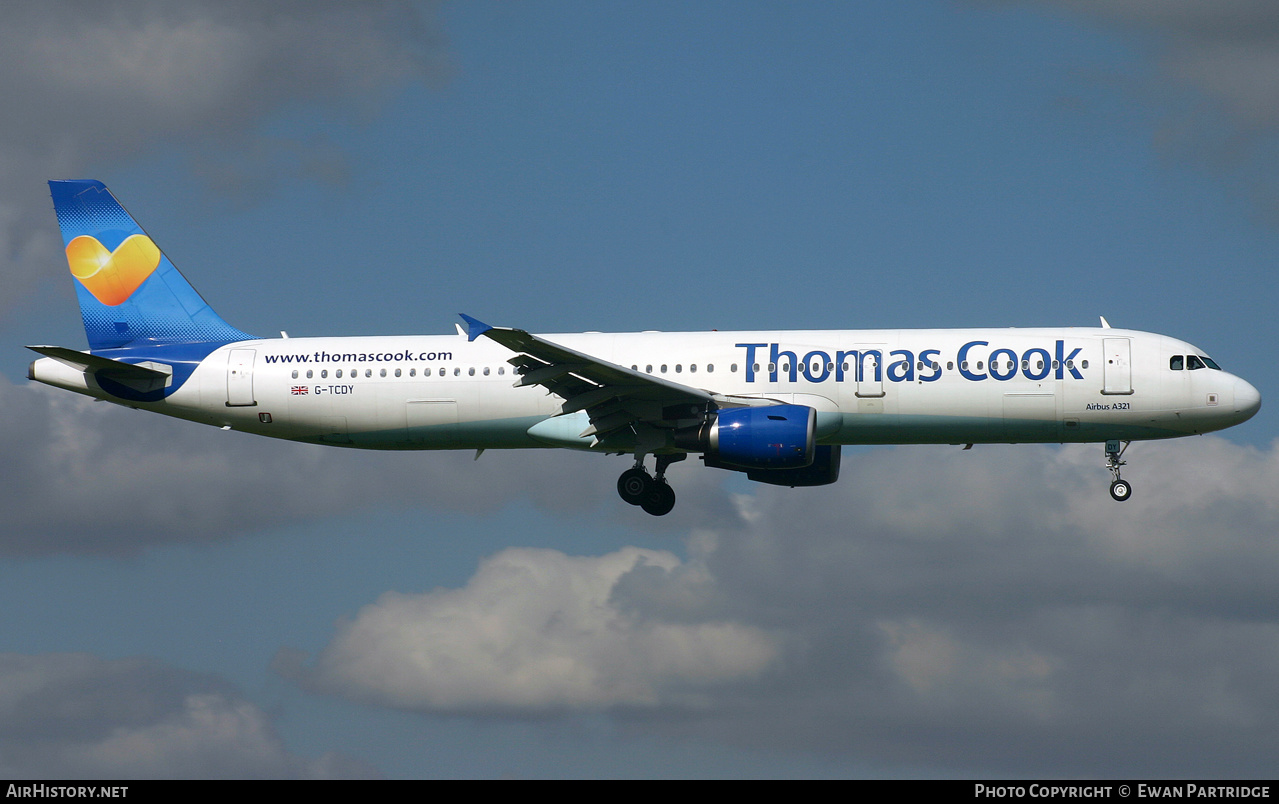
[
  {"x": 635, "y": 485},
  {"x": 660, "y": 499},
  {"x": 1120, "y": 490}
]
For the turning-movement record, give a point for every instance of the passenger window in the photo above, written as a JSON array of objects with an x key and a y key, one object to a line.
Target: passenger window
[
  {"x": 692, "y": 369},
  {"x": 663, "y": 368},
  {"x": 412, "y": 372},
  {"x": 308, "y": 374},
  {"x": 470, "y": 372},
  {"x": 368, "y": 372},
  {"x": 678, "y": 368},
  {"x": 457, "y": 372},
  {"x": 648, "y": 369},
  {"x": 339, "y": 374},
  {"x": 1193, "y": 363},
  {"x": 1177, "y": 363},
  {"x": 324, "y": 373},
  {"x": 710, "y": 368},
  {"x": 295, "y": 374},
  {"x": 486, "y": 371},
  {"x": 501, "y": 370},
  {"x": 381, "y": 373},
  {"x": 426, "y": 372},
  {"x": 397, "y": 372}
]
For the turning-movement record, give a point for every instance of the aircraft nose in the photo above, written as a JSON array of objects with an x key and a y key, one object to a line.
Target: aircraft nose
[{"x": 1247, "y": 399}]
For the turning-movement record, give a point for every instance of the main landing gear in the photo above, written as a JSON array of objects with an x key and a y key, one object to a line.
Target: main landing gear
[
  {"x": 637, "y": 487},
  {"x": 1119, "y": 489}
]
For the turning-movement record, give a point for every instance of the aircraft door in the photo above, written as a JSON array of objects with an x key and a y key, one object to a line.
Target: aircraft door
[
  {"x": 239, "y": 378},
  {"x": 870, "y": 372},
  {"x": 1117, "y": 370}
]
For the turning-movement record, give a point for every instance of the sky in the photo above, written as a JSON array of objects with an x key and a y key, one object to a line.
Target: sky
[{"x": 182, "y": 602}]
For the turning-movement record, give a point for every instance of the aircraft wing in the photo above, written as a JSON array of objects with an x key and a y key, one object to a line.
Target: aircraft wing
[{"x": 613, "y": 396}]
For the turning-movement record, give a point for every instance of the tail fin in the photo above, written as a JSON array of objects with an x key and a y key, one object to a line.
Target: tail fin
[{"x": 129, "y": 292}]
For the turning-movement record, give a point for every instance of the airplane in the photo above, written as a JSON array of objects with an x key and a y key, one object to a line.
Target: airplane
[{"x": 776, "y": 405}]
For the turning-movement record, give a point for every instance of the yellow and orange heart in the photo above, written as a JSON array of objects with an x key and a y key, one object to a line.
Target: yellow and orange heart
[{"x": 112, "y": 276}]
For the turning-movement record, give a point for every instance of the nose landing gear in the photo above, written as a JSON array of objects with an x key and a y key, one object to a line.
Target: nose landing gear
[
  {"x": 637, "y": 487},
  {"x": 1120, "y": 489}
]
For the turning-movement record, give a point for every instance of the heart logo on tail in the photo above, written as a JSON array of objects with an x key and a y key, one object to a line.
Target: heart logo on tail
[{"x": 112, "y": 276}]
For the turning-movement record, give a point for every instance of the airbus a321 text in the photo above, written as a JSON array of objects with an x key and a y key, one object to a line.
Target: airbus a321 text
[{"x": 776, "y": 405}]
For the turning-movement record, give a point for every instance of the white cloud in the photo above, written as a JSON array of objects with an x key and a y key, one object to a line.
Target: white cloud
[
  {"x": 537, "y": 631},
  {"x": 994, "y": 609},
  {"x": 75, "y": 715},
  {"x": 985, "y": 611},
  {"x": 1216, "y": 64}
]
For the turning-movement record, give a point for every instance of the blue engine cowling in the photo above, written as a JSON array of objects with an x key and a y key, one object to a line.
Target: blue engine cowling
[
  {"x": 823, "y": 471},
  {"x": 772, "y": 437}
]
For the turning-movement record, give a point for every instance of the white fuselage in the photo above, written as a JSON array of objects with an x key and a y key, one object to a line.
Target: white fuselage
[{"x": 868, "y": 386}]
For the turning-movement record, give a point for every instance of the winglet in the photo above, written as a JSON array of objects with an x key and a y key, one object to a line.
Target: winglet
[
  {"x": 474, "y": 327},
  {"x": 1104, "y": 323}
]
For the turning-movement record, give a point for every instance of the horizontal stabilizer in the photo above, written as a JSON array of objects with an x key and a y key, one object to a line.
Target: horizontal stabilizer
[{"x": 148, "y": 377}]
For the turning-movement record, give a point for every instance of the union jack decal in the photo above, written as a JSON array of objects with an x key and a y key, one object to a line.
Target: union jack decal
[{"x": 300, "y": 390}]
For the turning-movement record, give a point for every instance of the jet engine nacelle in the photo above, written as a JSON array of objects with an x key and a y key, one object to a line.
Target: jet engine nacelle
[
  {"x": 759, "y": 438},
  {"x": 823, "y": 471}
]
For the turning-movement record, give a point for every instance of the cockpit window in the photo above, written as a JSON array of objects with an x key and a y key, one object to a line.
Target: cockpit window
[
  {"x": 1177, "y": 363},
  {"x": 1212, "y": 364},
  {"x": 1193, "y": 362}
]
